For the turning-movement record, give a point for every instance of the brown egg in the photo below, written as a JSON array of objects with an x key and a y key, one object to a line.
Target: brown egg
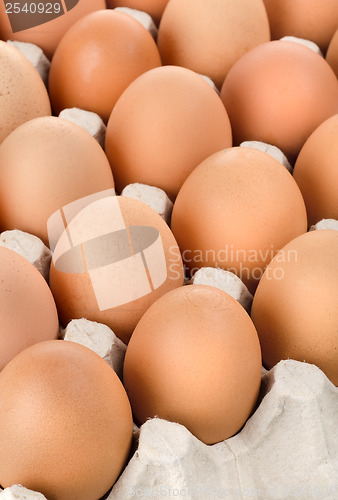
[
  {"x": 122, "y": 258},
  {"x": 23, "y": 94},
  {"x": 27, "y": 309},
  {"x": 316, "y": 20},
  {"x": 210, "y": 38},
  {"x": 153, "y": 7},
  {"x": 235, "y": 211},
  {"x": 65, "y": 422},
  {"x": 279, "y": 93},
  {"x": 97, "y": 59},
  {"x": 316, "y": 172},
  {"x": 43, "y": 23},
  {"x": 194, "y": 358},
  {"x": 332, "y": 53},
  {"x": 295, "y": 307},
  {"x": 45, "y": 164},
  {"x": 164, "y": 124}
]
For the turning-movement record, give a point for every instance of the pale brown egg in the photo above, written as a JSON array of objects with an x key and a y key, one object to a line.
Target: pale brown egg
[
  {"x": 97, "y": 59},
  {"x": 332, "y": 53},
  {"x": 122, "y": 258},
  {"x": 194, "y": 358},
  {"x": 27, "y": 309},
  {"x": 235, "y": 211},
  {"x": 23, "y": 95},
  {"x": 209, "y": 38},
  {"x": 164, "y": 124},
  {"x": 295, "y": 307},
  {"x": 153, "y": 7},
  {"x": 316, "y": 20},
  {"x": 45, "y": 164},
  {"x": 65, "y": 422},
  {"x": 43, "y": 23},
  {"x": 316, "y": 172},
  {"x": 279, "y": 93}
]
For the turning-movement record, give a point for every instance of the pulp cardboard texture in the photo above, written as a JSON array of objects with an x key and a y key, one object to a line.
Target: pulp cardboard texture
[
  {"x": 88, "y": 120},
  {"x": 153, "y": 196}
]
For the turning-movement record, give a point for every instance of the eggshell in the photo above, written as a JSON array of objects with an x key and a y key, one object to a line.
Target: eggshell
[
  {"x": 316, "y": 172},
  {"x": 279, "y": 93},
  {"x": 164, "y": 124},
  {"x": 235, "y": 211},
  {"x": 332, "y": 53},
  {"x": 316, "y": 20},
  {"x": 45, "y": 29},
  {"x": 127, "y": 260},
  {"x": 23, "y": 94},
  {"x": 45, "y": 164},
  {"x": 209, "y": 38},
  {"x": 153, "y": 7},
  {"x": 194, "y": 358},
  {"x": 27, "y": 309},
  {"x": 68, "y": 435},
  {"x": 98, "y": 57},
  {"x": 295, "y": 307}
]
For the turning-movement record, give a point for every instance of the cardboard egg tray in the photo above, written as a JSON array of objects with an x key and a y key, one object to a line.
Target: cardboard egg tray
[{"x": 289, "y": 446}]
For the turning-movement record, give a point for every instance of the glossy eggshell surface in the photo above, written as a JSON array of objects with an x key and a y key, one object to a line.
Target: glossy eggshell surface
[
  {"x": 48, "y": 34},
  {"x": 235, "y": 211},
  {"x": 279, "y": 93},
  {"x": 316, "y": 172},
  {"x": 164, "y": 124},
  {"x": 295, "y": 307},
  {"x": 27, "y": 309},
  {"x": 68, "y": 434},
  {"x": 316, "y": 20},
  {"x": 45, "y": 164},
  {"x": 208, "y": 37},
  {"x": 97, "y": 59},
  {"x": 75, "y": 294},
  {"x": 22, "y": 92},
  {"x": 194, "y": 358}
]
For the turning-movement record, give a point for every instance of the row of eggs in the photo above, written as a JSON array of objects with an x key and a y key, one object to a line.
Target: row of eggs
[{"x": 233, "y": 207}]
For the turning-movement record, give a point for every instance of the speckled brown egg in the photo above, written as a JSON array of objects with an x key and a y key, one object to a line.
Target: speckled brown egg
[
  {"x": 316, "y": 172},
  {"x": 194, "y": 358},
  {"x": 65, "y": 422},
  {"x": 23, "y": 95},
  {"x": 295, "y": 307},
  {"x": 44, "y": 164},
  {"x": 235, "y": 211},
  {"x": 98, "y": 57}
]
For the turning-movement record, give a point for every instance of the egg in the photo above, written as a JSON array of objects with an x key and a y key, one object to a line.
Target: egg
[
  {"x": 210, "y": 38},
  {"x": 295, "y": 307},
  {"x": 164, "y": 124},
  {"x": 278, "y": 93},
  {"x": 316, "y": 172},
  {"x": 65, "y": 422},
  {"x": 194, "y": 358},
  {"x": 23, "y": 94},
  {"x": 235, "y": 211},
  {"x": 27, "y": 309},
  {"x": 154, "y": 8},
  {"x": 122, "y": 258},
  {"x": 316, "y": 20},
  {"x": 98, "y": 57},
  {"x": 332, "y": 53},
  {"x": 46, "y": 163},
  {"x": 43, "y": 23}
]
